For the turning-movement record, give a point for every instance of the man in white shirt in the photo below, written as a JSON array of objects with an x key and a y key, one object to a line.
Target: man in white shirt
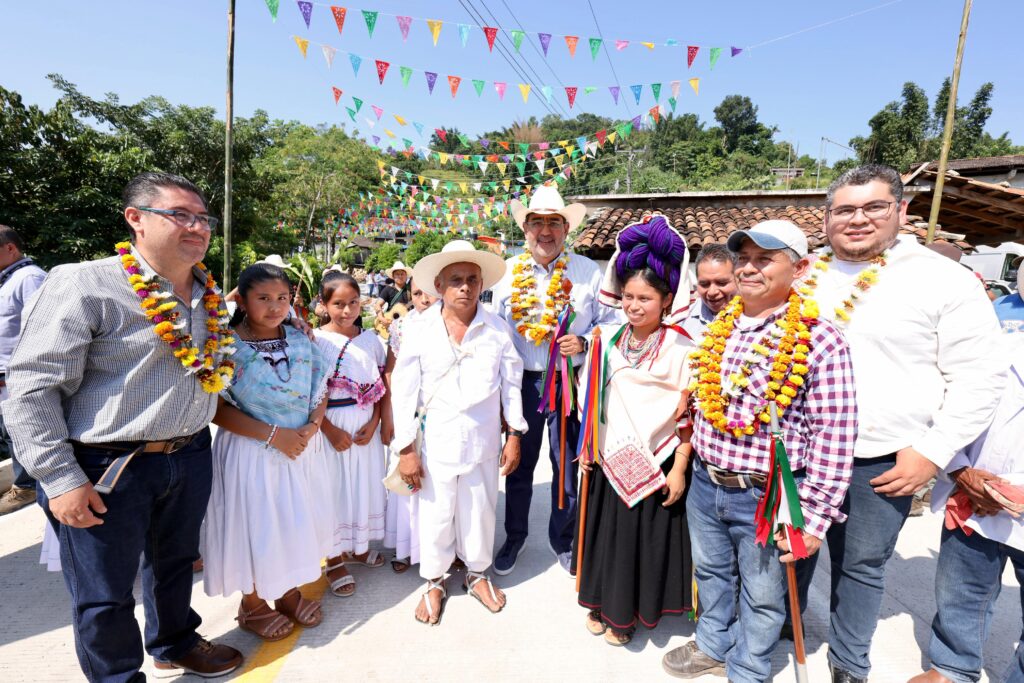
[
  {"x": 973, "y": 554},
  {"x": 715, "y": 286},
  {"x": 458, "y": 367},
  {"x": 529, "y": 302},
  {"x": 929, "y": 371}
]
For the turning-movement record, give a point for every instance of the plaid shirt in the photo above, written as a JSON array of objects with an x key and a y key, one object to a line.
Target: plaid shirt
[{"x": 820, "y": 427}]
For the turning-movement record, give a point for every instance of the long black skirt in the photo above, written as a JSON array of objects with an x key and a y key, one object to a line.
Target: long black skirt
[{"x": 636, "y": 562}]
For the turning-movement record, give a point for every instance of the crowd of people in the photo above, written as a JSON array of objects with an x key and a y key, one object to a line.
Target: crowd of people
[{"x": 881, "y": 361}]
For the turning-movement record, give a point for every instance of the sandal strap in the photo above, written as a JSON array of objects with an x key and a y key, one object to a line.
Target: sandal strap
[
  {"x": 372, "y": 557},
  {"x": 433, "y": 585},
  {"x": 332, "y": 567},
  {"x": 277, "y": 620},
  {"x": 342, "y": 581},
  {"x": 306, "y": 609},
  {"x": 473, "y": 578}
]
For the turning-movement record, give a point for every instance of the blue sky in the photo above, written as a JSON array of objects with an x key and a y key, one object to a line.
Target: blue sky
[{"x": 823, "y": 82}]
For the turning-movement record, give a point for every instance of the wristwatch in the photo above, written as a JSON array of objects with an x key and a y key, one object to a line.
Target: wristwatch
[{"x": 515, "y": 432}]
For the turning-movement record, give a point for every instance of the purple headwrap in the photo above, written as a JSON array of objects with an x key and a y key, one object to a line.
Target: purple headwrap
[{"x": 651, "y": 244}]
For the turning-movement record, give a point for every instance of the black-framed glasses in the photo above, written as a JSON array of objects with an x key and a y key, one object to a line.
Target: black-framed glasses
[
  {"x": 184, "y": 219},
  {"x": 872, "y": 211}
]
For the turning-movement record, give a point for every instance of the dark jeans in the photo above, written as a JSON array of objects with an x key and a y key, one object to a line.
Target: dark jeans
[
  {"x": 519, "y": 484},
  {"x": 22, "y": 479},
  {"x": 859, "y": 549},
  {"x": 155, "y": 511},
  {"x": 968, "y": 579}
]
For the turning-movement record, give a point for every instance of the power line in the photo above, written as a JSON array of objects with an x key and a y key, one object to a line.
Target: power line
[
  {"x": 604, "y": 45},
  {"x": 542, "y": 57}
]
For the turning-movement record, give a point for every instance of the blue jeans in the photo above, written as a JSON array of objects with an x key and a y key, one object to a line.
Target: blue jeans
[
  {"x": 22, "y": 479},
  {"x": 967, "y": 582},
  {"x": 155, "y": 511},
  {"x": 519, "y": 484},
  {"x": 859, "y": 549},
  {"x": 729, "y": 564}
]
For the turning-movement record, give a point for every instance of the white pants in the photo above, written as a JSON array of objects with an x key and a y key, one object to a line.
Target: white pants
[{"x": 457, "y": 516}]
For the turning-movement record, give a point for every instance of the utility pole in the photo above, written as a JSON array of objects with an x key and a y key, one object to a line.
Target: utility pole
[
  {"x": 630, "y": 157},
  {"x": 821, "y": 155},
  {"x": 947, "y": 133},
  {"x": 228, "y": 147}
]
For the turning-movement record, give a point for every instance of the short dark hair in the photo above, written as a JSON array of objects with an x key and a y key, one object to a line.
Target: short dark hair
[
  {"x": 716, "y": 253},
  {"x": 9, "y": 235},
  {"x": 862, "y": 175},
  {"x": 143, "y": 189}
]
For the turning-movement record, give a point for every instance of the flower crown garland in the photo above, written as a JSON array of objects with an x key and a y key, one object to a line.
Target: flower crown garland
[
  {"x": 533, "y": 322},
  {"x": 789, "y": 338},
  {"x": 864, "y": 281},
  {"x": 220, "y": 341}
]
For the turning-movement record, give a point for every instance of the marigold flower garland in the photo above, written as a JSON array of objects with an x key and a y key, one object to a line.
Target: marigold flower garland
[
  {"x": 534, "y": 322},
  {"x": 219, "y": 342},
  {"x": 789, "y": 338},
  {"x": 864, "y": 281}
]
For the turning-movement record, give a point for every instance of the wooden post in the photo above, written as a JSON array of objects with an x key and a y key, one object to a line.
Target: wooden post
[
  {"x": 947, "y": 133},
  {"x": 228, "y": 148}
]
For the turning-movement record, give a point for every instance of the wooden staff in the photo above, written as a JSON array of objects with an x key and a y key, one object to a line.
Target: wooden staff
[
  {"x": 593, "y": 405},
  {"x": 582, "y": 508},
  {"x": 561, "y": 449},
  {"x": 798, "y": 626}
]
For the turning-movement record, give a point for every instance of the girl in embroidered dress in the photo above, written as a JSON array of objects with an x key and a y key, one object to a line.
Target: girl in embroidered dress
[
  {"x": 636, "y": 560},
  {"x": 349, "y": 432},
  {"x": 400, "y": 530},
  {"x": 265, "y": 528}
]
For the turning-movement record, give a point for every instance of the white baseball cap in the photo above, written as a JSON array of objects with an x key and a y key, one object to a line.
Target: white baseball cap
[{"x": 775, "y": 234}]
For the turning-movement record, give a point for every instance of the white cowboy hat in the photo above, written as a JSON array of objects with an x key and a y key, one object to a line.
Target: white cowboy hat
[
  {"x": 336, "y": 266},
  {"x": 546, "y": 201},
  {"x": 492, "y": 266},
  {"x": 390, "y": 272},
  {"x": 274, "y": 260}
]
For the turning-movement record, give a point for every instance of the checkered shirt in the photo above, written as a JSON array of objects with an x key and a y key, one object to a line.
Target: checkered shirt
[{"x": 819, "y": 427}]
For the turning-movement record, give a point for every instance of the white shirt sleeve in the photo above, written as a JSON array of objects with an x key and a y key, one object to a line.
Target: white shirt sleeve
[
  {"x": 511, "y": 387},
  {"x": 405, "y": 390}
]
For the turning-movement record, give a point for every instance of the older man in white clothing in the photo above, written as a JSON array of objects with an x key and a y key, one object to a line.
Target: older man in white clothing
[{"x": 457, "y": 376}]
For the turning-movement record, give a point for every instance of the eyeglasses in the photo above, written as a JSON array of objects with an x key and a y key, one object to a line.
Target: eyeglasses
[
  {"x": 554, "y": 221},
  {"x": 184, "y": 219},
  {"x": 872, "y": 211}
]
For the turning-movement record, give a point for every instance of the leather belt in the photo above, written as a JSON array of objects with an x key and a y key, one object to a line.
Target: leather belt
[
  {"x": 108, "y": 480},
  {"x": 735, "y": 480}
]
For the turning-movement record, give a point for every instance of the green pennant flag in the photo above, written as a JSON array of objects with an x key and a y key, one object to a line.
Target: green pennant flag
[
  {"x": 517, "y": 35},
  {"x": 406, "y": 73},
  {"x": 358, "y": 102},
  {"x": 479, "y": 85},
  {"x": 589, "y": 89},
  {"x": 625, "y": 129},
  {"x": 477, "y": 158},
  {"x": 715, "y": 52},
  {"x": 463, "y": 139},
  {"x": 273, "y": 5},
  {"x": 408, "y": 142},
  {"x": 595, "y": 45},
  {"x": 656, "y": 88},
  {"x": 537, "y": 176},
  {"x": 521, "y": 165},
  {"x": 672, "y": 101},
  {"x": 371, "y": 21},
  {"x": 351, "y": 113},
  {"x": 524, "y": 147}
]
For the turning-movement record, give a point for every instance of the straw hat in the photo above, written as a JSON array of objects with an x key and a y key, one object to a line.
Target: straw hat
[
  {"x": 390, "y": 272},
  {"x": 547, "y": 201},
  {"x": 492, "y": 266},
  {"x": 274, "y": 260}
]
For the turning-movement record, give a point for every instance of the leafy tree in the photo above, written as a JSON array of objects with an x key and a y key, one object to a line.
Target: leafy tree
[
  {"x": 383, "y": 256},
  {"x": 738, "y": 117}
]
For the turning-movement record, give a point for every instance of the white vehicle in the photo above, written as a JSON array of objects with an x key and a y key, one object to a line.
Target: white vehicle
[{"x": 995, "y": 263}]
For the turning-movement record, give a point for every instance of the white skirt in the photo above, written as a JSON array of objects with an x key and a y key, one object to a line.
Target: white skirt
[
  {"x": 401, "y": 530},
  {"x": 266, "y": 528},
  {"x": 357, "y": 475}
]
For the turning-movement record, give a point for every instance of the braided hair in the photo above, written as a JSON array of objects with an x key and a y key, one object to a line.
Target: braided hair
[{"x": 652, "y": 250}]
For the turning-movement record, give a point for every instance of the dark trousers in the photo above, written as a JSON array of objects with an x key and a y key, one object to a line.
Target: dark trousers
[
  {"x": 154, "y": 512},
  {"x": 519, "y": 484},
  {"x": 22, "y": 479}
]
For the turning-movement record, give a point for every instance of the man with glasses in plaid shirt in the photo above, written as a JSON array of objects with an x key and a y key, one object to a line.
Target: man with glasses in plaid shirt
[{"x": 771, "y": 347}]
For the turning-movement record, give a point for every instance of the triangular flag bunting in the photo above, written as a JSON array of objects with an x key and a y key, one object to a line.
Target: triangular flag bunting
[
  {"x": 351, "y": 113},
  {"x": 656, "y": 89},
  {"x": 356, "y": 60},
  {"x": 406, "y": 73},
  {"x": 431, "y": 79},
  {"x": 453, "y": 83},
  {"x": 303, "y": 45},
  {"x": 358, "y": 102},
  {"x": 655, "y": 113},
  {"x": 517, "y": 38},
  {"x": 595, "y": 45},
  {"x": 524, "y": 90},
  {"x": 382, "y": 69},
  {"x": 418, "y": 126},
  {"x": 614, "y": 90},
  {"x": 570, "y": 42},
  {"x": 377, "y": 110},
  {"x": 273, "y": 6},
  {"x": 601, "y": 135},
  {"x": 500, "y": 87},
  {"x": 491, "y": 34},
  {"x": 587, "y": 89},
  {"x": 672, "y": 101},
  {"x": 339, "y": 16},
  {"x": 621, "y": 45},
  {"x": 371, "y": 21},
  {"x": 478, "y": 85},
  {"x": 570, "y": 93},
  {"x": 691, "y": 54},
  {"x": 329, "y": 53},
  {"x": 337, "y": 94},
  {"x": 545, "y": 41},
  {"x": 403, "y": 26},
  {"x": 649, "y": 46},
  {"x": 736, "y": 50},
  {"x": 695, "y": 84},
  {"x": 547, "y": 93},
  {"x": 307, "y": 11},
  {"x": 611, "y": 136},
  {"x": 715, "y": 54},
  {"x": 435, "y": 28},
  {"x": 401, "y": 121},
  {"x": 675, "y": 88},
  {"x": 637, "y": 89},
  {"x": 463, "y": 33}
]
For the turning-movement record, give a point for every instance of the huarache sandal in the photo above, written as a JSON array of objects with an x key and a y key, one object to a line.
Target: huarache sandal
[
  {"x": 270, "y": 625},
  {"x": 399, "y": 566},
  {"x": 472, "y": 579},
  {"x": 305, "y": 613},
  {"x": 594, "y": 623},
  {"x": 343, "y": 586},
  {"x": 618, "y": 638},
  {"x": 373, "y": 559},
  {"x": 434, "y": 585}
]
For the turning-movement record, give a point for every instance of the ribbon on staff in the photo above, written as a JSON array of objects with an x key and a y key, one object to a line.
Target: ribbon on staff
[{"x": 779, "y": 507}]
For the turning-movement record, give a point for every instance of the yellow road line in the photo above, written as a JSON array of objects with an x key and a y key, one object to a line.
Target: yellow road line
[{"x": 265, "y": 664}]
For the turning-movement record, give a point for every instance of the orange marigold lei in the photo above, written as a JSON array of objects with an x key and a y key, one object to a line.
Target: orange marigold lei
[
  {"x": 789, "y": 339},
  {"x": 534, "y": 320},
  {"x": 213, "y": 376},
  {"x": 864, "y": 281}
]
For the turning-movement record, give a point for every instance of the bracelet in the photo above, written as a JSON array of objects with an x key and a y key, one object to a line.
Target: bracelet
[
  {"x": 270, "y": 439},
  {"x": 515, "y": 432}
]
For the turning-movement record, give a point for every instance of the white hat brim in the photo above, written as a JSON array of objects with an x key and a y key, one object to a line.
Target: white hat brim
[
  {"x": 492, "y": 268},
  {"x": 390, "y": 272},
  {"x": 572, "y": 213}
]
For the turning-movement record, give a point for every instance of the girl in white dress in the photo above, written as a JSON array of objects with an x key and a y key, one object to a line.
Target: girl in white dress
[
  {"x": 355, "y": 360},
  {"x": 266, "y": 532},
  {"x": 400, "y": 529}
]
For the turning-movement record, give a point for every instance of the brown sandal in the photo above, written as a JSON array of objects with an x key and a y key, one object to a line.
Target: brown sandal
[
  {"x": 307, "y": 613},
  {"x": 399, "y": 566},
  {"x": 618, "y": 638},
  {"x": 594, "y": 623},
  {"x": 265, "y": 625}
]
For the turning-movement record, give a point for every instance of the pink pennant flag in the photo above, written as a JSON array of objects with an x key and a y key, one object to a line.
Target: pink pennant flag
[
  {"x": 691, "y": 54},
  {"x": 491, "y": 34},
  {"x": 339, "y": 16},
  {"x": 570, "y": 92},
  {"x": 453, "y": 83},
  {"x": 337, "y": 94},
  {"x": 500, "y": 87},
  {"x": 570, "y": 42},
  {"x": 377, "y": 110},
  {"x": 403, "y": 26},
  {"x": 621, "y": 45},
  {"x": 675, "y": 89},
  {"x": 382, "y": 69}
]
